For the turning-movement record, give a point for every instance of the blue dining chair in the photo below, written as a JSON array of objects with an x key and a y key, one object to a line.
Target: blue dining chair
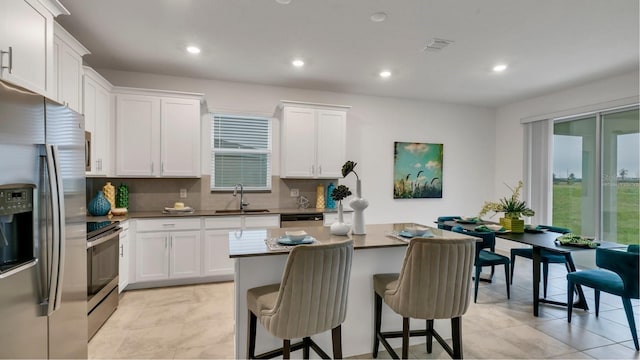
[
  {"x": 442, "y": 219},
  {"x": 619, "y": 277},
  {"x": 484, "y": 257},
  {"x": 547, "y": 256}
]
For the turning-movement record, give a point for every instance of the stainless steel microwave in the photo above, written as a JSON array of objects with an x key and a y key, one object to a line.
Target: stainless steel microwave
[{"x": 87, "y": 151}]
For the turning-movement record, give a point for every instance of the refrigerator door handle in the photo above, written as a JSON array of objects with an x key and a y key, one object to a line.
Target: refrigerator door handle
[
  {"x": 60, "y": 224},
  {"x": 57, "y": 258}
]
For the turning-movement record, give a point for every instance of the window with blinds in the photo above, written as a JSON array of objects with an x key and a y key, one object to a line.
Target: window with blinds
[{"x": 240, "y": 152}]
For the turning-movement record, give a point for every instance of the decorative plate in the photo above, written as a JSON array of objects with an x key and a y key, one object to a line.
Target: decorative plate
[{"x": 286, "y": 241}]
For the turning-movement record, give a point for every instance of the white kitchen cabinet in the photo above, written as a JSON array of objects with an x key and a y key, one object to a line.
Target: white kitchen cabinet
[
  {"x": 26, "y": 43},
  {"x": 157, "y": 133},
  {"x": 167, "y": 249},
  {"x": 313, "y": 140},
  {"x": 124, "y": 261},
  {"x": 67, "y": 66},
  {"x": 219, "y": 230},
  {"x": 97, "y": 120}
]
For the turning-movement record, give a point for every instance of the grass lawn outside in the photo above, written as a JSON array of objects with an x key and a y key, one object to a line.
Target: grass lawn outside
[{"x": 567, "y": 210}]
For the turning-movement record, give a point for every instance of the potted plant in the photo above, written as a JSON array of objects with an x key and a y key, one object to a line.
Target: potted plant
[
  {"x": 338, "y": 194},
  {"x": 358, "y": 204},
  {"x": 513, "y": 209}
]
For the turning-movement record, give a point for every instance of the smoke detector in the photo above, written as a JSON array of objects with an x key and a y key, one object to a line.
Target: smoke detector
[{"x": 436, "y": 44}]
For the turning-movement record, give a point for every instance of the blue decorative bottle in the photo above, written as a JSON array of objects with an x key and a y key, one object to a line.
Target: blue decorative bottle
[
  {"x": 331, "y": 204},
  {"x": 99, "y": 205}
]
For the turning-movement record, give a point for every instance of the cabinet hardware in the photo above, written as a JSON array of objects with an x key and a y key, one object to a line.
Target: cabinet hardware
[
  {"x": 162, "y": 167},
  {"x": 320, "y": 170},
  {"x": 10, "y": 52},
  {"x": 152, "y": 167},
  {"x": 168, "y": 224},
  {"x": 121, "y": 250}
]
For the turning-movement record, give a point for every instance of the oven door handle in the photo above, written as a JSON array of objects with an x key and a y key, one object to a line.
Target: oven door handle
[{"x": 104, "y": 238}]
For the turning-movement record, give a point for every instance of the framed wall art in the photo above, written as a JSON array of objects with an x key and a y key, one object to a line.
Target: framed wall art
[{"x": 417, "y": 170}]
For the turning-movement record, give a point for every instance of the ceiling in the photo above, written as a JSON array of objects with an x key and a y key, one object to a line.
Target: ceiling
[{"x": 548, "y": 45}]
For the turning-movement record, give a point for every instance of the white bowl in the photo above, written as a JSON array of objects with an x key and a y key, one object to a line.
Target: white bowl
[
  {"x": 494, "y": 227},
  {"x": 416, "y": 230},
  {"x": 296, "y": 235}
]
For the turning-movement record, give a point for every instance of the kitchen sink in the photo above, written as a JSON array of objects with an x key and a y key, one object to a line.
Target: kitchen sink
[{"x": 245, "y": 211}]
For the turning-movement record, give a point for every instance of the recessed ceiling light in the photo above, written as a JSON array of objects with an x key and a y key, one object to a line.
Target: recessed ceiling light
[
  {"x": 385, "y": 73},
  {"x": 193, "y": 49},
  {"x": 283, "y": 2},
  {"x": 379, "y": 17},
  {"x": 500, "y": 67},
  {"x": 297, "y": 63}
]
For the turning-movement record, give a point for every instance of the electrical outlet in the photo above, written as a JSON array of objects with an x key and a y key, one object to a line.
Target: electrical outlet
[
  {"x": 294, "y": 193},
  {"x": 183, "y": 193}
]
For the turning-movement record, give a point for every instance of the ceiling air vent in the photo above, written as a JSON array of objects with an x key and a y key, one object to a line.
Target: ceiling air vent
[{"x": 436, "y": 44}]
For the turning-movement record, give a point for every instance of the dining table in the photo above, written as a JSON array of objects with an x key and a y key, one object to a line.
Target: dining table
[{"x": 539, "y": 240}]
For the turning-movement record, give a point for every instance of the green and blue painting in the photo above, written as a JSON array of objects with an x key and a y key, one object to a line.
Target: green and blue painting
[{"x": 417, "y": 170}]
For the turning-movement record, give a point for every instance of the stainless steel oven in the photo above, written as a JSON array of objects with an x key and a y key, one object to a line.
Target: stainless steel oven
[{"x": 102, "y": 271}]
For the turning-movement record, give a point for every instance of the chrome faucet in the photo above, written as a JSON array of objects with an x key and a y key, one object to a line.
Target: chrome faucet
[{"x": 235, "y": 192}]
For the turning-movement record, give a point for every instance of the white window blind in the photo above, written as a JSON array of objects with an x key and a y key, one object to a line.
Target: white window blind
[{"x": 240, "y": 152}]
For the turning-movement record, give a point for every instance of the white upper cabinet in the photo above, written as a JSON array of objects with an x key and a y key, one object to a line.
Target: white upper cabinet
[
  {"x": 26, "y": 43},
  {"x": 97, "y": 121},
  {"x": 157, "y": 133},
  {"x": 67, "y": 59},
  {"x": 312, "y": 140}
]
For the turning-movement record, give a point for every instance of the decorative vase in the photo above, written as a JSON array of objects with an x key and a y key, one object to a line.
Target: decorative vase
[
  {"x": 340, "y": 228},
  {"x": 122, "y": 198},
  {"x": 331, "y": 204},
  {"x": 358, "y": 204},
  {"x": 515, "y": 225},
  {"x": 99, "y": 205},
  {"x": 320, "y": 197},
  {"x": 110, "y": 193}
]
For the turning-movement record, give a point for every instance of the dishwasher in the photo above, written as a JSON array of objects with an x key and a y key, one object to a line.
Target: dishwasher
[{"x": 301, "y": 220}]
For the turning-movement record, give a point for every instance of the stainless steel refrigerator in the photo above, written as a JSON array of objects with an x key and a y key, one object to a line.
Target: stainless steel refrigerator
[{"x": 43, "y": 275}]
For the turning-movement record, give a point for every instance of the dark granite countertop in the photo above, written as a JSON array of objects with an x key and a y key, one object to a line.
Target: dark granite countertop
[{"x": 197, "y": 213}]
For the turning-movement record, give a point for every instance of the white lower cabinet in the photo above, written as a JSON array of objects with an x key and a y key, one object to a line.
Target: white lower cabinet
[
  {"x": 124, "y": 261},
  {"x": 172, "y": 253}
]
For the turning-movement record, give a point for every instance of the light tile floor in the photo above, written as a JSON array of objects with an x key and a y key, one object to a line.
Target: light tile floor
[{"x": 196, "y": 322}]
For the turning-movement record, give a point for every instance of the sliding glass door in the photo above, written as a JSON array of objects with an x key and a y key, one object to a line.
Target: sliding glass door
[{"x": 596, "y": 161}]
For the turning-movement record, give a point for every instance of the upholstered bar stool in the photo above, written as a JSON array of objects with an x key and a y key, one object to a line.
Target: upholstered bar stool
[
  {"x": 310, "y": 299},
  {"x": 433, "y": 284}
]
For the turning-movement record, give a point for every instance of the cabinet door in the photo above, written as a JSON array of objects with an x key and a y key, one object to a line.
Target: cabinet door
[
  {"x": 298, "y": 149},
  {"x": 68, "y": 67},
  {"x": 180, "y": 142},
  {"x": 216, "y": 253},
  {"x": 123, "y": 269},
  {"x": 185, "y": 254},
  {"x": 97, "y": 117},
  {"x": 152, "y": 256},
  {"x": 331, "y": 143},
  {"x": 27, "y": 34},
  {"x": 137, "y": 134}
]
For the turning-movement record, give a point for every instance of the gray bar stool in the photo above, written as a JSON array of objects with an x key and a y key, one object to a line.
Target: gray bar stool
[
  {"x": 311, "y": 299},
  {"x": 433, "y": 284}
]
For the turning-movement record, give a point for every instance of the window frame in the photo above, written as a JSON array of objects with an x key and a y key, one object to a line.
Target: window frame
[{"x": 268, "y": 152}]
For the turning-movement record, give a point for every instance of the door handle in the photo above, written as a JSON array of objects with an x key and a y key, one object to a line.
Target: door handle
[{"x": 10, "y": 52}]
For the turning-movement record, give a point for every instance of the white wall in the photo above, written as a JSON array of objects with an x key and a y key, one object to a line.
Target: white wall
[{"x": 374, "y": 123}]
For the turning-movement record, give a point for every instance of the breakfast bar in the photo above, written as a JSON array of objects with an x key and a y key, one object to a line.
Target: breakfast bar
[{"x": 376, "y": 252}]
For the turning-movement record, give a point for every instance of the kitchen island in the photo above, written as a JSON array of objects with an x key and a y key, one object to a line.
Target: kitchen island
[{"x": 375, "y": 252}]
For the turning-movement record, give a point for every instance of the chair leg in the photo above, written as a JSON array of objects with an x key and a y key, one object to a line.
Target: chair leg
[
  {"x": 456, "y": 333},
  {"x": 570, "y": 287},
  {"x": 305, "y": 349},
  {"x": 251, "y": 336},
  {"x": 493, "y": 270},
  {"x": 286, "y": 349},
  {"x": 336, "y": 339},
  {"x": 632, "y": 323},
  {"x": 476, "y": 280},
  {"x": 405, "y": 337},
  {"x": 545, "y": 277},
  {"x": 506, "y": 277},
  {"x": 377, "y": 322},
  {"x": 597, "y": 300},
  {"x": 513, "y": 265},
  {"x": 429, "y": 336}
]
